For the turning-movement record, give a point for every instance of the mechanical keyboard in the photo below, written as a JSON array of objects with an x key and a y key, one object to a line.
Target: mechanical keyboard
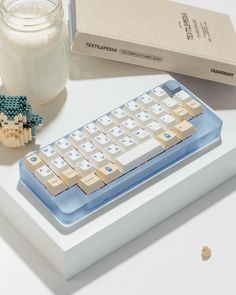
[{"x": 90, "y": 167}]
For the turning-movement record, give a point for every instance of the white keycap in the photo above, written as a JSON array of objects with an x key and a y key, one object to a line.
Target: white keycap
[
  {"x": 84, "y": 168},
  {"x": 119, "y": 115},
  {"x": 33, "y": 162},
  {"x": 132, "y": 108},
  {"x": 167, "y": 121},
  {"x": 48, "y": 153},
  {"x": 91, "y": 130},
  {"x": 154, "y": 128},
  {"x": 62, "y": 146},
  {"x": 129, "y": 125},
  {"x": 126, "y": 143},
  {"x": 105, "y": 123},
  {"x": 158, "y": 93},
  {"x": 112, "y": 151},
  {"x": 87, "y": 149},
  {"x": 182, "y": 97},
  {"x": 73, "y": 157},
  {"x": 145, "y": 101},
  {"x": 44, "y": 173},
  {"x": 156, "y": 111},
  {"x": 76, "y": 138},
  {"x": 138, "y": 155},
  {"x": 140, "y": 135},
  {"x": 169, "y": 104},
  {"x": 98, "y": 160},
  {"x": 102, "y": 141},
  {"x": 59, "y": 165},
  {"x": 143, "y": 119},
  {"x": 115, "y": 133}
]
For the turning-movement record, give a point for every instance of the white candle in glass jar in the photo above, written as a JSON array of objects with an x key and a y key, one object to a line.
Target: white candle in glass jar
[{"x": 34, "y": 50}]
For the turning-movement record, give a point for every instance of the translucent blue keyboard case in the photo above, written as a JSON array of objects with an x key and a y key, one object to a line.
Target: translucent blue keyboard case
[{"x": 73, "y": 205}]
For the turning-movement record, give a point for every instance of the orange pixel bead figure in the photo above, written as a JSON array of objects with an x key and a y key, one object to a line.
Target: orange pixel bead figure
[{"x": 17, "y": 122}]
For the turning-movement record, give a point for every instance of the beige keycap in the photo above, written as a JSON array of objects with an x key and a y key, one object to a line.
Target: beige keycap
[
  {"x": 108, "y": 172},
  {"x": 194, "y": 108},
  {"x": 181, "y": 114},
  {"x": 184, "y": 130},
  {"x": 168, "y": 139},
  {"x": 70, "y": 177},
  {"x": 33, "y": 162},
  {"x": 55, "y": 185},
  {"x": 90, "y": 183}
]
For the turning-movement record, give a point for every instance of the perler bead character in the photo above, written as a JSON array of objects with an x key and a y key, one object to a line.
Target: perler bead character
[{"x": 17, "y": 122}]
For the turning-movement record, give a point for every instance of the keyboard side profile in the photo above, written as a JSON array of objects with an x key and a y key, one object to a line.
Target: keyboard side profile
[{"x": 160, "y": 128}]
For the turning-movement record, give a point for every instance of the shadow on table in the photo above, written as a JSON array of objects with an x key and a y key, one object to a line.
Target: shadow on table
[
  {"x": 61, "y": 287},
  {"x": 86, "y": 67},
  {"x": 9, "y": 156},
  {"x": 52, "y": 109},
  {"x": 216, "y": 95}
]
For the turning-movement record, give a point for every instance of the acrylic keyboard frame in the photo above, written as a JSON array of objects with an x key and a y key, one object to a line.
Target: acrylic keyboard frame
[{"x": 73, "y": 205}]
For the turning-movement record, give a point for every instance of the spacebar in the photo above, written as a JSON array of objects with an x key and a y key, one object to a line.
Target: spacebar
[{"x": 138, "y": 155}]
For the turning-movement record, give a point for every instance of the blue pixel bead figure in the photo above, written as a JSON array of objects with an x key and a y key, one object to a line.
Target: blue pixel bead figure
[{"x": 17, "y": 122}]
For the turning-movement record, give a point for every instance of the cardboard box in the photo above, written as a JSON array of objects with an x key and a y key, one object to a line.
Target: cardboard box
[{"x": 158, "y": 34}]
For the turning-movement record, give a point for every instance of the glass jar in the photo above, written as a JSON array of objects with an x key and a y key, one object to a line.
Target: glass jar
[{"x": 34, "y": 49}]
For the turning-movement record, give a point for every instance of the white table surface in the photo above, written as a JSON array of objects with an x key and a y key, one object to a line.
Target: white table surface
[{"x": 165, "y": 260}]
